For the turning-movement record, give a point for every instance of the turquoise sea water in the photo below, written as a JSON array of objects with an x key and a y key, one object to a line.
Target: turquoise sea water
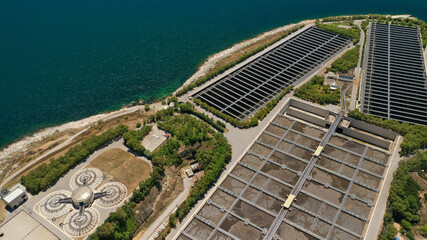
[{"x": 62, "y": 60}]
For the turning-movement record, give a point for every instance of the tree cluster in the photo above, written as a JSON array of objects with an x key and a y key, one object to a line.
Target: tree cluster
[
  {"x": 347, "y": 61},
  {"x": 214, "y": 161},
  {"x": 189, "y": 108},
  {"x": 45, "y": 175},
  {"x": 403, "y": 203},
  {"x": 353, "y": 32},
  {"x": 133, "y": 139},
  {"x": 252, "y": 121},
  {"x": 161, "y": 114},
  {"x": 415, "y": 136},
  {"x": 317, "y": 92},
  {"x": 186, "y": 131}
]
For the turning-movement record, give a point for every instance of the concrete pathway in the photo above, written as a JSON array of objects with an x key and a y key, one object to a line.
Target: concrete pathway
[
  {"x": 29, "y": 165},
  {"x": 154, "y": 228},
  {"x": 357, "y": 71},
  {"x": 377, "y": 216}
]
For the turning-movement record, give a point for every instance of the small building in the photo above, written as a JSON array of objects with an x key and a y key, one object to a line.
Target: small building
[
  {"x": 331, "y": 76},
  {"x": 189, "y": 172},
  {"x": 15, "y": 196},
  {"x": 334, "y": 85},
  {"x": 196, "y": 167},
  {"x": 345, "y": 78}
]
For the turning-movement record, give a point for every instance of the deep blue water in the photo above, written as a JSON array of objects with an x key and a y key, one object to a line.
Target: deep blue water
[{"x": 63, "y": 60}]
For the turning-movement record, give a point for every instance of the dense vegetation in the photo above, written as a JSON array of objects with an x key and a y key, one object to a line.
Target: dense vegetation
[
  {"x": 222, "y": 69},
  {"x": 317, "y": 92},
  {"x": 189, "y": 108},
  {"x": 187, "y": 132},
  {"x": 133, "y": 139},
  {"x": 347, "y": 61},
  {"x": 45, "y": 175},
  {"x": 252, "y": 121},
  {"x": 353, "y": 32},
  {"x": 415, "y": 136},
  {"x": 403, "y": 203},
  {"x": 381, "y": 18}
]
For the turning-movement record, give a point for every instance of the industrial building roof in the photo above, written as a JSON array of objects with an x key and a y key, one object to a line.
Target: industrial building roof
[
  {"x": 12, "y": 195},
  {"x": 24, "y": 227}
]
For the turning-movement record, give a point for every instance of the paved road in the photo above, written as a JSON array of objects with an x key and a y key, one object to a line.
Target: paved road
[
  {"x": 377, "y": 216},
  {"x": 181, "y": 197},
  {"x": 358, "y": 69},
  {"x": 69, "y": 140},
  {"x": 29, "y": 165}
]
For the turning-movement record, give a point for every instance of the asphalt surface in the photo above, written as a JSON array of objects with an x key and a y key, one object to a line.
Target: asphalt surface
[
  {"x": 358, "y": 69},
  {"x": 376, "y": 219}
]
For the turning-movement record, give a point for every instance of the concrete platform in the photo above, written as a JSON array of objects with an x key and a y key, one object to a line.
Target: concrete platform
[{"x": 24, "y": 227}]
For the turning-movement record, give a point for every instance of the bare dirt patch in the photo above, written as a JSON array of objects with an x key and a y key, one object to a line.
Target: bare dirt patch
[
  {"x": 38, "y": 148},
  {"x": 124, "y": 167},
  {"x": 423, "y": 211},
  {"x": 172, "y": 186}
]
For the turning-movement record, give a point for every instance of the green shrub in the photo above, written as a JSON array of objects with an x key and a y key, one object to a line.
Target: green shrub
[
  {"x": 424, "y": 230},
  {"x": 45, "y": 175},
  {"x": 347, "y": 61},
  {"x": 415, "y": 136},
  {"x": 317, "y": 92},
  {"x": 406, "y": 225},
  {"x": 353, "y": 32},
  {"x": 138, "y": 125},
  {"x": 251, "y": 122},
  {"x": 189, "y": 108},
  {"x": 147, "y": 107}
]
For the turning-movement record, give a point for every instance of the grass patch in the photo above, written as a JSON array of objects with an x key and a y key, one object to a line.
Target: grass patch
[
  {"x": 403, "y": 203},
  {"x": 189, "y": 132},
  {"x": 116, "y": 161},
  {"x": 45, "y": 175},
  {"x": 347, "y": 61},
  {"x": 317, "y": 92},
  {"x": 353, "y": 32}
]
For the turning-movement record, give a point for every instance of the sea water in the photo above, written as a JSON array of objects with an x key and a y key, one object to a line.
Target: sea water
[{"x": 63, "y": 60}]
